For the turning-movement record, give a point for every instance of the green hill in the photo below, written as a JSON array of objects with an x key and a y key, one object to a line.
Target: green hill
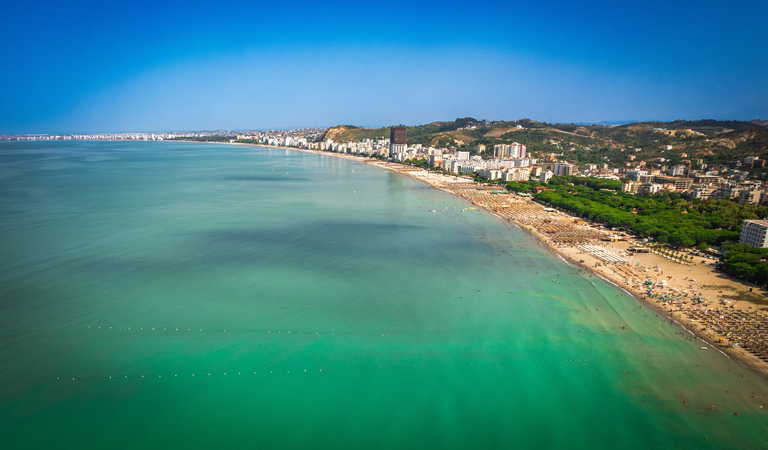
[{"x": 711, "y": 140}]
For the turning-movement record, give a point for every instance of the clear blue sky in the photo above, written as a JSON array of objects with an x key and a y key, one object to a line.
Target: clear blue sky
[{"x": 186, "y": 65}]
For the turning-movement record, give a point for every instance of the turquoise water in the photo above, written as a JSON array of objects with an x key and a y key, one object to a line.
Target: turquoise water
[{"x": 179, "y": 295}]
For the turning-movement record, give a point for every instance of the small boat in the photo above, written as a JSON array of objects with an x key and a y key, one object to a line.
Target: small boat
[{"x": 703, "y": 348}]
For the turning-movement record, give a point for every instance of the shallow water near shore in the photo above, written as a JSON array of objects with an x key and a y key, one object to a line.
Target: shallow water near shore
[{"x": 170, "y": 294}]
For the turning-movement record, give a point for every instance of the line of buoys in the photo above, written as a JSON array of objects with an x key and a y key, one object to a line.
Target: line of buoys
[{"x": 495, "y": 363}]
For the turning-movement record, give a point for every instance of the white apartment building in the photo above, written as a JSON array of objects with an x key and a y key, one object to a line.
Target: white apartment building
[
  {"x": 635, "y": 174},
  {"x": 491, "y": 174},
  {"x": 751, "y": 196},
  {"x": 677, "y": 170},
  {"x": 630, "y": 187},
  {"x": 546, "y": 176},
  {"x": 522, "y": 162},
  {"x": 396, "y": 148},
  {"x": 649, "y": 188},
  {"x": 755, "y": 233},
  {"x": 517, "y": 175},
  {"x": 513, "y": 150}
]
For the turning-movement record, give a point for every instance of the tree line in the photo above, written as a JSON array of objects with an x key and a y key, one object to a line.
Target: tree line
[{"x": 665, "y": 217}]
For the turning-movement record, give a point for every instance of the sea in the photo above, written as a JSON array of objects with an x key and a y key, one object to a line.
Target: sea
[{"x": 161, "y": 295}]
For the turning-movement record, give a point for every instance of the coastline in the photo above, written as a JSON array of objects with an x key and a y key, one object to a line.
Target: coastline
[{"x": 592, "y": 264}]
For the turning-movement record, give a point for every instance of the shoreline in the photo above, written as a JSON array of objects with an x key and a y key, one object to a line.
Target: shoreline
[{"x": 570, "y": 255}]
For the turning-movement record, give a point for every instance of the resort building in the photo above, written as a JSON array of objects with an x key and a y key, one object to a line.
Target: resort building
[{"x": 754, "y": 233}]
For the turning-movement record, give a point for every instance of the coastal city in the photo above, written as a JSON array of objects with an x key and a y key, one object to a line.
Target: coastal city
[
  {"x": 693, "y": 179},
  {"x": 717, "y": 311},
  {"x": 405, "y": 226}
]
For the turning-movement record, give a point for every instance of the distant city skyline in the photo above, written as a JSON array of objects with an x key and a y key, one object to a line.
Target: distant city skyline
[{"x": 93, "y": 67}]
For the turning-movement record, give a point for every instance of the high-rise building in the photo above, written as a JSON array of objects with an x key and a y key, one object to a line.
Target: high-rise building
[
  {"x": 754, "y": 233},
  {"x": 513, "y": 150},
  {"x": 397, "y": 140},
  {"x": 564, "y": 168}
]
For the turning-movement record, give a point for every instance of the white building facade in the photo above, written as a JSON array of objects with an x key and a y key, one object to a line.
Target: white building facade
[{"x": 755, "y": 233}]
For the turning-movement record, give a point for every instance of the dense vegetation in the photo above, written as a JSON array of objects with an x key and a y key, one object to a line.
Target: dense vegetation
[
  {"x": 746, "y": 262},
  {"x": 665, "y": 217}
]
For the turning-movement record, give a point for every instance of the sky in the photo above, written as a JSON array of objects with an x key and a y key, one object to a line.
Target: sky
[{"x": 101, "y": 66}]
